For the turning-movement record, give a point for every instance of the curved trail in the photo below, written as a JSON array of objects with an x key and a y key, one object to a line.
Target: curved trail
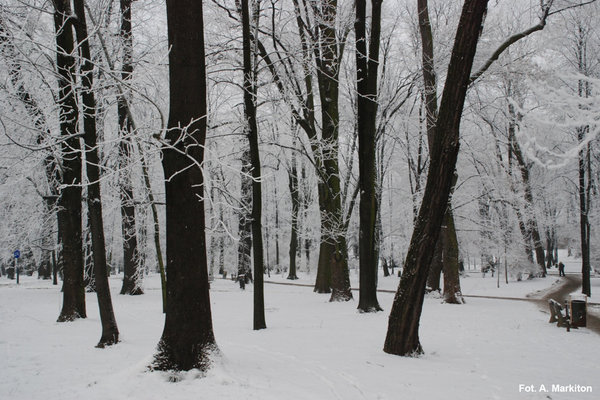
[{"x": 568, "y": 285}]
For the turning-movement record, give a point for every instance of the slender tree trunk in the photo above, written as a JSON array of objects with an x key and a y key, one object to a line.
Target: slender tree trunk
[
  {"x": 187, "y": 340},
  {"x": 367, "y": 64},
  {"x": 584, "y": 169},
  {"x": 89, "y": 279},
  {"x": 293, "y": 184},
  {"x": 245, "y": 220},
  {"x": 110, "y": 332},
  {"x": 584, "y": 223},
  {"x": 69, "y": 202},
  {"x": 252, "y": 132},
  {"x": 403, "y": 329},
  {"x": 155, "y": 229},
  {"x": 131, "y": 275}
]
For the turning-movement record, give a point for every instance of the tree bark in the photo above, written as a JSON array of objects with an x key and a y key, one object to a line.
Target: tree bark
[
  {"x": 403, "y": 329},
  {"x": 69, "y": 202},
  {"x": 367, "y": 63},
  {"x": 245, "y": 220},
  {"x": 293, "y": 184},
  {"x": 110, "y": 332},
  {"x": 251, "y": 129},
  {"x": 452, "y": 291},
  {"x": 131, "y": 275},
  {"x": 531, "y": 224},
  {"x": 187, "y": 340},
  {"x": 443, "y": 252}
]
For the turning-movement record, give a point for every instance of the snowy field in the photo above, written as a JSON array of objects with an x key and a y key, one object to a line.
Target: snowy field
[{"x": 312, "y": 349}]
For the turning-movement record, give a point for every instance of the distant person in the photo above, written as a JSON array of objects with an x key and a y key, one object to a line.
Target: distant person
[{"x": 561, "y": 269}]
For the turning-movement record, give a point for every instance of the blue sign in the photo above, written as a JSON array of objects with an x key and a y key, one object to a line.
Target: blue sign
[{"x": 17, "y": 254}]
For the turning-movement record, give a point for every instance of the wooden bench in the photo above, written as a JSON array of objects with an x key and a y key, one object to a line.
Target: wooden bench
[{"x": 557, "y": 315}]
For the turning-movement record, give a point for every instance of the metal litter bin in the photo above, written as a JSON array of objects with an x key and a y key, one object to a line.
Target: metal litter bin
[{"x": 579, "y": 313}]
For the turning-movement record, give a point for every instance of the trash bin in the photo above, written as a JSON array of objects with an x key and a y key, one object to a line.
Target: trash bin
[{"x": 578, "y": 313}]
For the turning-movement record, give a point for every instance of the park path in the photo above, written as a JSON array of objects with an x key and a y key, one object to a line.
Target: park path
[{"x": 569, "y": 284}]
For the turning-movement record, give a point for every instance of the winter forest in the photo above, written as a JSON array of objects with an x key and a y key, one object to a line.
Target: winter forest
[{"x": 204, "y": 181}]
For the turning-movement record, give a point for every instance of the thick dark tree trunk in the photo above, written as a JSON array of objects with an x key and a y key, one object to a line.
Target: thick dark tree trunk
[
  {"x": 110, "y": 332},
  {"x": 323, "y": 281},
  {"x": 131, "y": 275},
  {"x": 446, "y": 258},
  {"x": 584, "y": 223},
  {"x": 332, "y": 236},
  {"x": 252, "y": 131},
  {"x": 435, "y": 271},
  {"x": 403, "y": 329},
  {"x": 452, "y": 291},
  {"x": 367, "y": 64},
  {"x": 187, "y": 340},
  {"x": 69, "y": 202}
]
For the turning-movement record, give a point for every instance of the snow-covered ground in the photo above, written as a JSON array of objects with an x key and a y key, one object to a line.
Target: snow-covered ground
[{"x": 312, "y": 349}]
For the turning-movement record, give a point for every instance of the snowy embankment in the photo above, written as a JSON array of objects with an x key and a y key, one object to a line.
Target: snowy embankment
[{"x": 312, "y": 349}]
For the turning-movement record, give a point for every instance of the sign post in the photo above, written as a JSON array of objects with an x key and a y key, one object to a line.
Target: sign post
[{"x": 17, "y": 254}]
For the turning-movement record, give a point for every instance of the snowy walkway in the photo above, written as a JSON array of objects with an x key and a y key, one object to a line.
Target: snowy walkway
[
  {"x": 570, "y": 283},
  {"x": 312, "y": 349}
]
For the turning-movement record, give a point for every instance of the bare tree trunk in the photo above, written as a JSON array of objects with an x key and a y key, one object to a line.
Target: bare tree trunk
[
  {"x": 110, "y": 332},
  {"x": 452, "y": 291},
  {"x": 187, "y": 340},
  {"x": 447, "y": 258},
  {"x": 403, "y": 329},
  {"x": 69, "y": 202},
  {"x": 252, "y": 131},
  {"x": 131, "y": 275},
  {"x": 367, "y": 63},
  {"x": 531, "y": 223},
  {"x": 245, "y": 220},
  {"x": 584, "y": 168},
  {"x": 293, "y": 184}
]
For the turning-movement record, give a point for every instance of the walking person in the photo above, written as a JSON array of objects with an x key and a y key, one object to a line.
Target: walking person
[{"x": 561, "y": 269}]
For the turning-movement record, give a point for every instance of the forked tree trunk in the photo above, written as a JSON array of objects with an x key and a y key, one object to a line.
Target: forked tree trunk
[
  {"x": 403, "y": 329},
  {"x": 446, "y": 258},
  {"x": 187, "y": 340},
  {"x": 69, "y": 202},
  {"x": 110, "y": 332}
]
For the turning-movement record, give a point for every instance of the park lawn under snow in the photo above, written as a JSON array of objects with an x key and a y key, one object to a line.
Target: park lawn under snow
[{"x": 312, "y": 349}]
